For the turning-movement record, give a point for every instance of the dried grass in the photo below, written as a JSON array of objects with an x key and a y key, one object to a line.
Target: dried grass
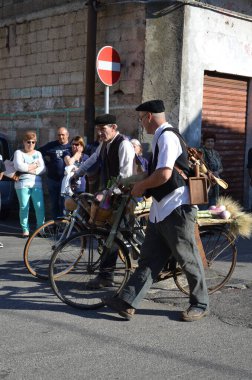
[{"x": 242, "y": 221}]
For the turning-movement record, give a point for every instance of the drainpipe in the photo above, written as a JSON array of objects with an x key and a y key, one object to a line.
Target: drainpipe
[{"x": 89, "y": 113}]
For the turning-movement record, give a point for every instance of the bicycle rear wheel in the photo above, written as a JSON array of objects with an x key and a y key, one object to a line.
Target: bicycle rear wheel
[
  {"x": 86, "y": 250},
  {"x": 40, "y": 245},
  {"x": 221, "y": 256}
]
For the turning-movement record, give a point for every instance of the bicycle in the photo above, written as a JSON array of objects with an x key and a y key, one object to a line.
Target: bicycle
[
  {"x": 37, "y": 256},
  {"x": 217, "y": 248},
  {"x": 52, "y": 233},
  {"x": 89, "y": 249}
]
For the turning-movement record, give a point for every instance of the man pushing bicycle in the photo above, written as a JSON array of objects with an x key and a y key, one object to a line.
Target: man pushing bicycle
[
  {"x": 170, "y": 231},
  {"x": 114, "y": 157}
]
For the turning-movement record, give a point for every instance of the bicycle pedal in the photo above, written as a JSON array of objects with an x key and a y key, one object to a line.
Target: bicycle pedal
[{"x": 164, "y": 276}]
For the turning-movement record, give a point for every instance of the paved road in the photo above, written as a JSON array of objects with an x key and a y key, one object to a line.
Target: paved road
[{"x": 41, "y": 338}]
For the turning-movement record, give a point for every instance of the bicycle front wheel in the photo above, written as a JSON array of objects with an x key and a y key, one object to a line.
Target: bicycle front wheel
[
  {"x": 40, "y": 245},
  {"x": 221, "y": 255},
  {"x": 87, "y": 250}
]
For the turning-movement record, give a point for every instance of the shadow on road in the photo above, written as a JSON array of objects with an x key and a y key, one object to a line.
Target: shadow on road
[{"x": 21, "y": 291}]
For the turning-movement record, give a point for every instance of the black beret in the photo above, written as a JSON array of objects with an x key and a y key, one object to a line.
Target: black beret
[
  {"x": 105, "y": 119},
  {"x": 153, "y": 106}
]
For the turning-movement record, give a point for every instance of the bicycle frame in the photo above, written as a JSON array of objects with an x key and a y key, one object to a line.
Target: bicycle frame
[{"x": 74, "y": 217}]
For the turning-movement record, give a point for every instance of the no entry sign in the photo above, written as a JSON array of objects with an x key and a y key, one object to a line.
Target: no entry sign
[{"x": 108, "y": 65}]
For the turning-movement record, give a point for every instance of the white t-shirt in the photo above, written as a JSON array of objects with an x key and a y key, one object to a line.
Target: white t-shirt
[{"x": 169, "y": 150}]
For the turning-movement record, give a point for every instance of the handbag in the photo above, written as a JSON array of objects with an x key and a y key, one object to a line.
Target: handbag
[{"x": 10, "y": 170}]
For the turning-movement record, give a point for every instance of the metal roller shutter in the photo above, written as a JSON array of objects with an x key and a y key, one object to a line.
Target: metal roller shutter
[{"x": 224, "y": 113}]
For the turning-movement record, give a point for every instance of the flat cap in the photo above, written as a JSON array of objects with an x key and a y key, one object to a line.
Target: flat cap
[
  {"x": 153, "y": 106},
  {"x": 105, "y": 119}
]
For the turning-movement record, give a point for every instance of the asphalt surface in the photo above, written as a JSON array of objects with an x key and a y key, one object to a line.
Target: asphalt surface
[{"x": 41, "y": 338}]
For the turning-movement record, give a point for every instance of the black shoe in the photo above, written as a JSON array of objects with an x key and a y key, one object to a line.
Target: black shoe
[
  {"x": 121, "y": 307},
  {"x": 100, "y": 282},
  {"x": 194, "y": 313}
]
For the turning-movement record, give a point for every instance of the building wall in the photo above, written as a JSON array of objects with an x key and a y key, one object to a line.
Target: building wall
[
  {"x": 164, "y": 48},
  {"x": 211, "y": 42},
  {"x": 19, "y": 8},
  {"x": 124, "y": 28},
  {"x": 43, "y": 62},
  {"x": 214, "y": 42}
]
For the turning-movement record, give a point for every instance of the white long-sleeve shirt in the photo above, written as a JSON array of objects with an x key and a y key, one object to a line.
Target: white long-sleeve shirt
[
  {"x": 126, "y": 155},
  {"x": 21, "y": 162}
]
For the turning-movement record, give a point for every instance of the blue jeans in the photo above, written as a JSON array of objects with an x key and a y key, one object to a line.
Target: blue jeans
[
  {"x": 24, "y": 195},
  {"x": 57, "y": 201},
  {"x": 173, "y": 237}
]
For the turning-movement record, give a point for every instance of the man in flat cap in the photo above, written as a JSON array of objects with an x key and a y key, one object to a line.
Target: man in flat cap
[
  {"x": 170, "y": 231},
  {"x": 115, "y": 155}
]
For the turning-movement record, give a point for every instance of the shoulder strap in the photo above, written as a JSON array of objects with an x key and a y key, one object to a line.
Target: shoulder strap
[{"x": 168, "y": 129}]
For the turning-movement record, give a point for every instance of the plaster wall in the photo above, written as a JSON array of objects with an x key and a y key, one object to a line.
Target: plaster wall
[
  {"x": 211, "y": 42},
  {"x": 216, "y": 43},
  {"x": 163, "y": 55}
]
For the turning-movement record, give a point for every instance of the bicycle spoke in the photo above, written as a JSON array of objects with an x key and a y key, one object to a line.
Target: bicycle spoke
[
  {"x": 221, "y": 254},
  {"x": 78, "y": 261},
  {"x": 39, "y": 247}
]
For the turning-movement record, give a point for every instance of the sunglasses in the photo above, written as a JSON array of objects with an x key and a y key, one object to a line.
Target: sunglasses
[
  {"x": 75, "y": 144},
  {"x": 31, "y": 142}
]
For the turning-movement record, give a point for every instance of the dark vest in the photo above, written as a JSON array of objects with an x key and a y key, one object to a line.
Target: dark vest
[
  {"x": 176, "y": 180},
  {"x": 110, "y": 160}
]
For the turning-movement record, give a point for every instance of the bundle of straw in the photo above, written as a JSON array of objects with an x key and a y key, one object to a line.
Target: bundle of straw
[{"x": 242, "y": 221}]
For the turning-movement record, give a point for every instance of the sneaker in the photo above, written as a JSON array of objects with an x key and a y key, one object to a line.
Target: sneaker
[
  {"x": 119, "y": 306},
  {"x": 194, "y": 313},
  {"x": 25, "y": 235},
  {"x": 1, "y": 245},
  {"x": 100, "y": 282}
]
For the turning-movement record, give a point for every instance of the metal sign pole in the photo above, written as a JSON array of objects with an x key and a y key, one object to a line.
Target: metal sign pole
[{"x": 106, "y": 100}]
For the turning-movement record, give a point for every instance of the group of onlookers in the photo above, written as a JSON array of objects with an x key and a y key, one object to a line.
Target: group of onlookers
[
  {"x": 59, "y": 157},
  {"x": 171, "y": 225}
]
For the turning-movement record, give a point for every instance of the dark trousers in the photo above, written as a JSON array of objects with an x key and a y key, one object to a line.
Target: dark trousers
[
  {"x": 173, "y": 237},
  {"x": 57, "y": 201}
]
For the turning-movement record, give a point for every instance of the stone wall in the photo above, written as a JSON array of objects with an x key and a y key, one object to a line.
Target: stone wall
[
  {"x": 43, "y": 62},
  {"x": 123, "y": 27},
  {"x": 12, "y": 8},
  {"x": 42, "y": 65}
]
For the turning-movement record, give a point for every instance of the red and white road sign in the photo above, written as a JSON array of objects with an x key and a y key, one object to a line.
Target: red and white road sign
[{"x": 108, "y": 65}]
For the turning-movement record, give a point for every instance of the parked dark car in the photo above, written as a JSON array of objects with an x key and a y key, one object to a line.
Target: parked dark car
[{"x": 6, "y": 185}]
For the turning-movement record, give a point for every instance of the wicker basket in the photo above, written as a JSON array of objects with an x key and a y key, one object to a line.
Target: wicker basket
[
  {"x": 100, "y": 216},
  {"x": 70, "y": 204}
]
